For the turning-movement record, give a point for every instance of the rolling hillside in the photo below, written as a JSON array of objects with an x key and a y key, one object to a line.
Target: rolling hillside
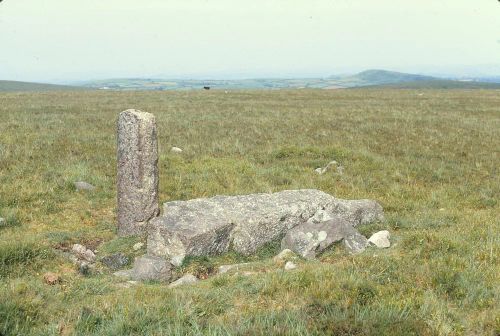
[
  {"x": 369, "y": 78},
  {"x": 13, "y": 86}
]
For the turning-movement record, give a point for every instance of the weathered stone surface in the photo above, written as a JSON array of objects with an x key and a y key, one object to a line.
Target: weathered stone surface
[
  {"x": 355, "y": 242},
  {"x": 313, "y": 237},
  {"x": 81, "y": 185},
  {"x": 209, "y": 226},
  {"x": 81, "y": 252},
  {"x": 137, "y": 171},
  {"x": 151, "y": 268},
  {"x": 115, "y": 261},
  {"x": 380, "y": 239},
  {"x": 290, "y": 266},
  {"x": 185, "y": 280},
  {"x": 148, "y": 268}
]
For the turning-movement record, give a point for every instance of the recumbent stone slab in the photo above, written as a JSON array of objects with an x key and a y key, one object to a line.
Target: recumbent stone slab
[{"x": 209, "y": 226}]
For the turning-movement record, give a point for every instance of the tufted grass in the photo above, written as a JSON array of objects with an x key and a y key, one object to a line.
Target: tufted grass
[{"x": 431, "y": 160}]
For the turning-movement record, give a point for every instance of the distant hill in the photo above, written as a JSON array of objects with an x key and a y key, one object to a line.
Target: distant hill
[
  {"x": 374, "y": 77},
  {"x": 368, "y": 78},
  {"x": 437, "y": 84},
  {"x": 13, "y": 86}
]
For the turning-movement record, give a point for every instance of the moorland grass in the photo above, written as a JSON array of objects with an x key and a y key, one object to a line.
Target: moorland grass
[{"x": 429, "y": 157}]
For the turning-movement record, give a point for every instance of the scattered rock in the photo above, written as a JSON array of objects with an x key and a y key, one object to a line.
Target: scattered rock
[
  {"x": 380, "y": 239},
  {"x": 138, "y": 246},
  {"x": 355, "y": 242},
  {"x": 115, "y": 261},
  {"x": 313, "y": 237},
  {"x": 81, "y": 185},
  {"x": 208, "y": 226},
  {"x": 2, "y": 221},
  {"x": 82, "y": 252},
  {"x": 284, "y": 255},
  {"x": 151, "y": 268},
  {"x": 175, "y": 150},
  {"x": 186, "y": 279},
  {"x": 137, "y": 160},
  {"x": 51, "y": 278},
  {"x": 226, "y": 268},
  {"x": 290, "y": 266}
]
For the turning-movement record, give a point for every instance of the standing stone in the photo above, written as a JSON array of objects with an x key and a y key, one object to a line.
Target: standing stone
[{"x": 137, "y": 171}]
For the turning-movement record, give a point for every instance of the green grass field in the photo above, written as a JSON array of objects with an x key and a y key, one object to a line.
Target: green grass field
[{"x": 431, "y": 159}]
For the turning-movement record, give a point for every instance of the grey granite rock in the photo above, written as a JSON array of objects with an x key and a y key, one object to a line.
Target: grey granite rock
[
  {"x": 320, "y": 232},
  {"x": 380, "y": 239},
  {"x": 81, "y": 185},
  {"x": 137, "y": 171},
  {"x": 151, "y": 268},
  {"x": 185, "y": 280},
  {"x": 81, "y": 252},
  {"x": 209, "y": 226}
]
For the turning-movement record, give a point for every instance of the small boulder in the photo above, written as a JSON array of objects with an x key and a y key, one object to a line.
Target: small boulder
[
  {"x": 175, "y": 150},
  {"x": 186, "y": 279},
  {"x": 51, "y": 278},
  {"x": 151, "y": 268},
  {"x": 314, "y": 236},
  {"x": 82, "y": 252},
  {"x": 355, "y": 242},
  {"x": 380, "y": 239},
  {"x": 115, "y": 261},
  {"x": 81, "y": 185},
  {"x": 137, "y": 246},
  {"x": 290, "y": 266}
]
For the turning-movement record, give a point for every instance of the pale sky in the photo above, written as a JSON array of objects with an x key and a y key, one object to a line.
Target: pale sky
[{"x": 70, "y": 40}]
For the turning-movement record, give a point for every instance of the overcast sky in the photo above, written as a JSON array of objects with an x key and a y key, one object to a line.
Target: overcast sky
[{"x": 66, "y": 40}]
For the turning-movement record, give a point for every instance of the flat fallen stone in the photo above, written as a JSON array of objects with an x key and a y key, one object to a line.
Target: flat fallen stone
[
  {"x": 185, "y": 280},
  {"x": 81, "y": 185},
  {"x": 380, "y": 239},
  {"x": 209, "y": 226}
]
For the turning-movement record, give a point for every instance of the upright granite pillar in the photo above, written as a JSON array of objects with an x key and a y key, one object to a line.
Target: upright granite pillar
[{"x": 137, "y": 171}]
